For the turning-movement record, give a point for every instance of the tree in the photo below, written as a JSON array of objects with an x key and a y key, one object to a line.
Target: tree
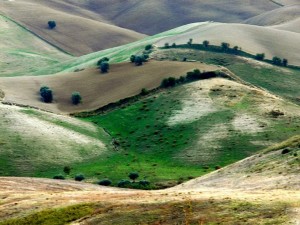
[
  {"x": 76, "y": 98},
  {"x": 260, "y": 56},
  {"x": 225, "y": 46},
  {"x": 105, "y": 182},
  {"x": 46, "y": 94},
  {"x": 168, "y": 82},
  {"x": 167, "y": 45},
  {"x": 67, "y": 170},
  {"x": 104, "y": 59},
  {"x": 205, "y": 43},
  {"x": 277, "y": 61},
  {"x": 148, "y": 47},
  {"x": 284, "y": 62},
  {"x": 104, "y": 67},
  {"x": 79, "y": 177},
  {"x": 236, "y": 48},
  {"x": 133, "y": 176},
  {"x": 190, "y": 42},
  {"x": 132, "y": 58},
  {"x": 139, "y": 60},
  {"x": 51, "y": 24},
  {"x": 173, "y": 45}
]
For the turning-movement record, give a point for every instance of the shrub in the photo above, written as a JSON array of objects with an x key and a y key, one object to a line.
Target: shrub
[
  {"x": 225, "y": 46},
  {"x": 285, "y": 151},
  {"x": 133, "y": 176},
  {"x": 194, "y": 75},
  {"x": 79, "y": 177},
  {"x": 104, "y": 59},
  {"x": 124, "y": 183},
  {"x": 144, "y": 183},
  {"x": 168, "y": 82},
  {"x": 190, "y": 41},
  {"x": 76, "y": 98},
  {"x": 51, "y": 24},
  {"x": 139, "y": 60},
  {"x": 105, "y": 182},
  {"x": 205, "y": 43},
  {"x": 59, "y": 177},
  {"x": 181, "y": 79},
  {"x": 260, "y": 56},
  {"x": 148, "y": 47},
  {"x": 67, "y": 170},
  {"x": 104, "y": 67},
  {"x": 173, "y": 45},
  {"x": 284, "y": 62},
  {"x": 276, "y": 61},
  {"x": 132, "y": 58},
  {"x": 46, "y": 94},
  {"x": 144, "y": 91},
  {"x": 236, "y": 48},
  {"x": 167, "y": 45}
]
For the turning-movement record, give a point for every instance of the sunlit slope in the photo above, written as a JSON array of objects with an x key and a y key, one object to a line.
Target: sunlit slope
[
  {"x": 76, "y": 32},
  {"x": 22, "y": 52},
  {"x": 285, "y": 18}
]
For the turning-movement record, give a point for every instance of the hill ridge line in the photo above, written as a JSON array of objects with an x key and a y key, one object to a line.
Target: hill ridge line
[{"x": 36, "y": 35}]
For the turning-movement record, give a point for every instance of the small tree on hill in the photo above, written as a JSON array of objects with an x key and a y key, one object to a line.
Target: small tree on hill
[
  {"x": 79, "y": 177},
  {"x": 225, "y": 46},
  {"x": 285, "y": 62},
  {"x": 51, "y": 24},
  {"x": 167, "y": 45},
  {"x": 132, "y": 58},
  {"x": 46, "y": 94},
  {"x": 67, "y": 170},
  {"x": 277, "y": 61},
  {"x": 148, "y": 47},
  {"x": 76, "y": 98},
  {"x": 104, "y": 59},
  {"x": 205, "y": 43},
  {"x": 133, "y": 176},
  {"x": 190, "y": 42},
  {"x": 139, "y": 60},
  {"x": 260, "y": 56},
  {"x": 104, "y": 67}
]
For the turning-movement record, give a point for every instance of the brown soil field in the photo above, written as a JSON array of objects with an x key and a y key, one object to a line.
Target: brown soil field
[
  {"x": 97, "y": 89},
  {"x": 78, "y": 31}
]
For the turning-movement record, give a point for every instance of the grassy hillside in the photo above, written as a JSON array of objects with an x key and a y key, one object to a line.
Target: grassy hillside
[
  {"x": 22, "y": 53},
  {"x": 152, "y": 17},
  {"x": 97, "y": 90},
  {"x": 32, "y": 141},
  {"x": 76, "y": 32},
  {"x": 278, "y": 80}
]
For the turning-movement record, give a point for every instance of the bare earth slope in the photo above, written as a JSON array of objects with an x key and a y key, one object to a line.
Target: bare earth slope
[
  {"x": 76, "y": 32},
  {"x": 252, "y": 39},
  {"x": 285, "y": 18},
  {"x": 97, "y": 90},
  {"x": 144, "y": 16}
]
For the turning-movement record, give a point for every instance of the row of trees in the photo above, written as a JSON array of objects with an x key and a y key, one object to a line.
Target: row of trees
[
  {"x": 47, "y": 95},
  {"x": 275, "y": 60}
]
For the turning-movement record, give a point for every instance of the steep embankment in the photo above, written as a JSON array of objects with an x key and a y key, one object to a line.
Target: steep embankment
[
  {"x": 78, "y": 31},
  {"x": 123, "y": 80}
]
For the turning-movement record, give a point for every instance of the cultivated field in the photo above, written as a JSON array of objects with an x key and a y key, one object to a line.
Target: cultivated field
[
  {"x": 78, "y": 32},
  {"x": 123, "y": 80}
]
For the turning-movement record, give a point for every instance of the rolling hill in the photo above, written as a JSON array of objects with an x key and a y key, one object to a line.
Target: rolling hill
[
  {"x": 201, "y": 199},
  {"x": 152, "y": 17},
  {"x": 123, "y": 80},
  {"x": 285, "y": 18},
  {"x": 77, "y": 32},
  {"x": 252, "y": 39}
]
